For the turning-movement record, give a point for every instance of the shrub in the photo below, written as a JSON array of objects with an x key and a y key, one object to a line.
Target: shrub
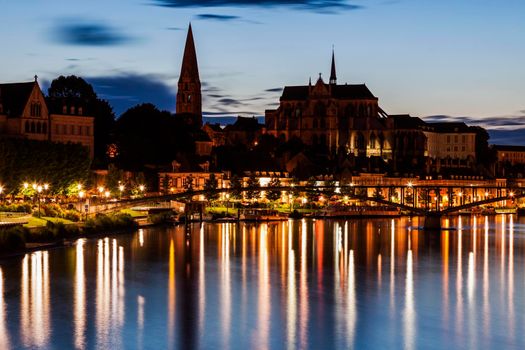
[
  {"x": 72, "y": 215},
  {"x": 160, "y": 218},
  {"x": 13, "y": 238},
  {"x": 113, "y": 222}
]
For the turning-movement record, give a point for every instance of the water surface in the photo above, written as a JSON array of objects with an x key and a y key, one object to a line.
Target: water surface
[{"x": 375, "y": 284}]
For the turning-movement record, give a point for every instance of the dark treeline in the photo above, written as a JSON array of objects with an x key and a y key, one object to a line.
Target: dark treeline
[{"x": 59, "y": 165}]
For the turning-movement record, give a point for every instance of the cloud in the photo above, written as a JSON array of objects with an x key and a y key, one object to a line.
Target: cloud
[
  {"x": 312, "y": 5},
  {"x": 175, "y": 28},
  {"x": 88, "y": 34},
  {"x": 277, "y": 89},
  {"x": 213, "y": 17},
  {"x": 126, "y": 90},
  {"x": 509, "y": 122},
  {"x": 230, "y": 102}
]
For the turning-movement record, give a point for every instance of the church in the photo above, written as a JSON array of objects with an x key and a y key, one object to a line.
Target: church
[{"x": 338, "y": 117}]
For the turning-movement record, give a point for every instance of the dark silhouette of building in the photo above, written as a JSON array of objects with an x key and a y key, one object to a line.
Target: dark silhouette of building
[{"x": 189, "y": 99}]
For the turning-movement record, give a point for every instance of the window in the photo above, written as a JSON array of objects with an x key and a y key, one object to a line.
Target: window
[
  {"x": 463, "y": 138},
  {"x": 44, "y": 128},
  {"x": 455, "y": 138},
  {"x": 80, "y": 111},
  {"x": 27, "y": 126},
  {"x": 448, "y": 138},
  {"x": 64, "y": 109}
]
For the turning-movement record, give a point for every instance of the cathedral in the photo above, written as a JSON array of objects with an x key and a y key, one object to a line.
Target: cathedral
[{"x": 338, "y": 117}]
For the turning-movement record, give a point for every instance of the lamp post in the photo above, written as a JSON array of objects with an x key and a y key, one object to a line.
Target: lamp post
[
  {"x": 80, "y": 197},
  {"x": 121, "y": 189},
  {"x": 38, "y": 191}
]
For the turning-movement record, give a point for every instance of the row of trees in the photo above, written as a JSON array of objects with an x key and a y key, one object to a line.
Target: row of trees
[{"x": 55, "y": 164}]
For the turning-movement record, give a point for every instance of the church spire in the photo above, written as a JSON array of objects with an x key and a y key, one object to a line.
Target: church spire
[
  {"x": 189, "y": 98},
  {"x": 333, "y": 76}
]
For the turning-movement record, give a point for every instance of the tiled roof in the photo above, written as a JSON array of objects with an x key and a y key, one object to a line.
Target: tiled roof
[
  {"x": 14, "y": 97},
  {"x": 405, "y": 121},
  {"x": 342, "y": 92}
]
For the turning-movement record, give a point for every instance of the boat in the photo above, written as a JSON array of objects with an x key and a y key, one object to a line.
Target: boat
[
  {"x": 360, "y": 211},
  {"x": 506, "y": 210},
  {"x": 261, "y": 215}
]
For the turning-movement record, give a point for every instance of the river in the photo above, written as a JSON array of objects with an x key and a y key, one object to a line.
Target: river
[{"x": 374, "y": 284}]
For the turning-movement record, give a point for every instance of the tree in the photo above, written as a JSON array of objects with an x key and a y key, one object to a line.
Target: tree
[
  {"x": 211, "y": 184},
  {"x": 114, "y": 178},
  {"x": 252, "y": 192},
  {"x": 235, "y": 187},
  {"x": 77, "y": 90},
  {"x": 146, "y": 135},
  {"x": 272, "y": 193},
  {"x": 57, "y": 164}
]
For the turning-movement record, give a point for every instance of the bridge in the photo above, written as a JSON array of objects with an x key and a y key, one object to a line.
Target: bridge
[{"x": 428, "y": 200}]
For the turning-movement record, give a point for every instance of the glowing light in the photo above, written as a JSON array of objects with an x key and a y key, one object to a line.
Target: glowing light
[
  {"x": 410, "y": 184},
  {"x": 101, "y": 189}
]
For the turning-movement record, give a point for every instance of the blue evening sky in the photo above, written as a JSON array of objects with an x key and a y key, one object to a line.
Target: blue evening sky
[{"x": 458, "y": 58}]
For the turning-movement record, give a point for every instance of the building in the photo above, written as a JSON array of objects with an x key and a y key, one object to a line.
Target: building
[
  {"x": 25, "y": 113},
  {"x": 451, "y": 145},
  {"x": 189, "y": 99},
  {"x": 511, "y": 155},
  {"x": 341, "y": 118}
]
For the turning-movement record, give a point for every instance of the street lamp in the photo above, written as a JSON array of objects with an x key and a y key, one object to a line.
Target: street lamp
[
  {"x": 121, "y": 189},
  {"x": 80, "y": 197},
  {"x": 142, "y": 188},
  {"x": 38, "y": 190},
  {"x": 227, "y": 202}
]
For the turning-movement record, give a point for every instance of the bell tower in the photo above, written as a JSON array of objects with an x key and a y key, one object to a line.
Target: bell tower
[{"x": 189, "y": 100}]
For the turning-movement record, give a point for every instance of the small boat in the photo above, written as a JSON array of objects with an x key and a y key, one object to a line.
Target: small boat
[
  {"x": 506, "y": 210},
  {"x": 261, "y": 215}
]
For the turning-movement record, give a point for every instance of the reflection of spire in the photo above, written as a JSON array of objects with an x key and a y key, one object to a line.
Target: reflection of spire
[{"x": 333, "y": 76}]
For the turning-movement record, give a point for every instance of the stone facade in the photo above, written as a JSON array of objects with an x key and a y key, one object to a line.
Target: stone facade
[{"x": 24, "y": 113}]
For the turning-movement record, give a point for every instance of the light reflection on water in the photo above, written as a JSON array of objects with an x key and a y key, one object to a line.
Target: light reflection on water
[{"x": 296, "y": 284}]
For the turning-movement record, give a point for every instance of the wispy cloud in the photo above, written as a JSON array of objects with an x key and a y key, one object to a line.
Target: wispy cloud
[
  {"x": 277, "y": 89},
  {"x": 77, "y": 32},
  {"x": 312, "y": 5},
  {"x": 507, "y": 122},
  {"x": 125, "y": 90},
  {"x": 214, "y": 17}
]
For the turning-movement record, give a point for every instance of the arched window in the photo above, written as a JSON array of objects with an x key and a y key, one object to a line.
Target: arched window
[
  {"x": 27, "y": 126},
  {"x": 33, "y": 127},
  {"x": 372, "y": 141},
  {"x": 359, "y": 141},
  {"x": 38, "y": 128},
  {"x": 189, "y": 97},
  {"x": 323, "y": 140},
  {"x": 320, "y": 110}
]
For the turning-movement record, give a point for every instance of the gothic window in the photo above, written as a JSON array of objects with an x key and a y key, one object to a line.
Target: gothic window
[
  {"x": 359, "y": 141},
  {"x": 72, "y": 110},
  {"x": 323, "y": 140},
  {"x": 38, "y": 128},
  {"x": 80, "y": 111},
  {"x": 64, "y": 109},
  {"x": 320, "y": 110},
  {"x": 33, "y": 127},
  {"x": 44, "y": 128},
  {"x": 27, "y": 126},
  {"x": 372, "y": 141},
  {"x": 298, "y": 112}
]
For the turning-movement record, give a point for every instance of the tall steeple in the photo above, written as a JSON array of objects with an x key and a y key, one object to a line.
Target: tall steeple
[
  {"x": 333, "y": 76},
  {"x": 189, "y": 98}
]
